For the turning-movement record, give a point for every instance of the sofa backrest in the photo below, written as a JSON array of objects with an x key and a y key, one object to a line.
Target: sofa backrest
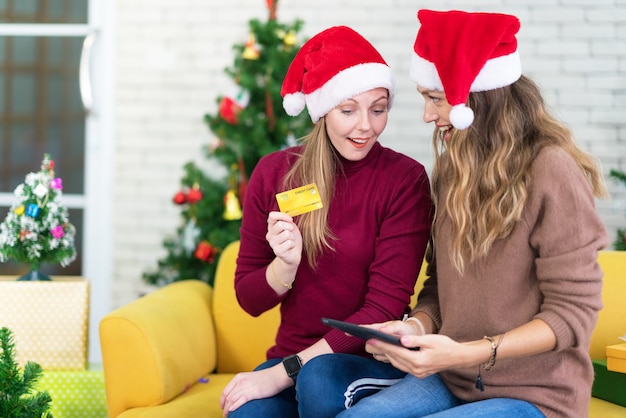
[
  {"x": 612, "y": 318},
  {"x": 242, "y": 340}
]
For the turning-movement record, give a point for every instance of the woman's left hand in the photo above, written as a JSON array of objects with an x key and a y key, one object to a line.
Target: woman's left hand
[
  {"x": 259, "y": 384},
  {"x": 436, "y": 353}
]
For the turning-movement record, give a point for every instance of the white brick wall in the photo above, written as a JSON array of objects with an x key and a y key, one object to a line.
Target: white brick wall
[{"x": 169, "y": 70}]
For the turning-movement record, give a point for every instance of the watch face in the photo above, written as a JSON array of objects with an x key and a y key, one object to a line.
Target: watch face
[{"x": 292, "y": 365}]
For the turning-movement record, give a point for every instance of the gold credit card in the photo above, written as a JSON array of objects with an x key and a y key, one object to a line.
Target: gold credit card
[{"x": 300, "y": 200}]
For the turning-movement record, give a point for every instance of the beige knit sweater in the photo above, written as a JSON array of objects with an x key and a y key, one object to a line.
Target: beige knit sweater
[{"x": 546, "y": 268}]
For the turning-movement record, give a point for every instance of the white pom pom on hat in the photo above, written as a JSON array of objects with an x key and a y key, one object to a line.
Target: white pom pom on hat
[
  {"x": 459, "y": 52},
  {"x": 294, "y": 103},
  {"x": 334, "y": 65},
  {"x": 461, "y": 116}
]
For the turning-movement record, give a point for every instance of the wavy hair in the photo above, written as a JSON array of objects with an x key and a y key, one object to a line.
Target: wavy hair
[
  {"x": 317, "y": 164},
  {"x": 485, "y": 168}
]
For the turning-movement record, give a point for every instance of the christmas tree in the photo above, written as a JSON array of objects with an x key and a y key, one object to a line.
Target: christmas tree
[
  {"x": 36, "y": 229},
  {"x": 17, "y": 396},
  {"x": 620, "y": 241},
  {"x": 250, "y": 122}
]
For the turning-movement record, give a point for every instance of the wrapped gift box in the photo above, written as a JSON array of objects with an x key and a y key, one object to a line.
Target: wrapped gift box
[
  {"x": 608, "y": 385},
  {"x": 75, "y": 394},
  {"x": 49, "y": 320},
  {"x": 616, "y": 358}
]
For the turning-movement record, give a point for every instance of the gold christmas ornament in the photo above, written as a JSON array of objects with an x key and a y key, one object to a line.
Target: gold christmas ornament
[
  {"x": 290, "y": 38},
  {"x": 251, "y": 50},
  {"x": 233, "y": 208}
]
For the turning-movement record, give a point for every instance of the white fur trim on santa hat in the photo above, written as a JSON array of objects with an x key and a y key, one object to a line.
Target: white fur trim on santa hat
[
  {"x": 424, "y": 73},
  {"x": 346, "y": 84},
  {"x": 497, "y": 72}
]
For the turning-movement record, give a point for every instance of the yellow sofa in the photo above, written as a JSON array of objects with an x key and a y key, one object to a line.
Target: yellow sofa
[{"x": 170, "y": 353}]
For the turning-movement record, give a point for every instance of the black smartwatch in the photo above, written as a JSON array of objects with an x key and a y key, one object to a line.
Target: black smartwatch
[{"x": 292, "y": 364}]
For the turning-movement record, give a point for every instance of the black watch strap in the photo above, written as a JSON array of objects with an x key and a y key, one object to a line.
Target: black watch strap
[{"x": 292, "y": 364}]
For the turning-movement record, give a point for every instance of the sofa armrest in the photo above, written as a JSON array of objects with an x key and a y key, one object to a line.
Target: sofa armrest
[{"x": 157, "y": 346}]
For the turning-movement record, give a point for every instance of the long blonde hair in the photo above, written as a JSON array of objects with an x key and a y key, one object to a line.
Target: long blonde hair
[
  {"x": 484, "y": 169},
  {"x": 317, "y": 164}
]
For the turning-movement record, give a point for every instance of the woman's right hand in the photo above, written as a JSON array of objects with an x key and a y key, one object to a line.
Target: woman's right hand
[
  {"x": 259, "y": 384},
  {"x": 285, "y": 238}
]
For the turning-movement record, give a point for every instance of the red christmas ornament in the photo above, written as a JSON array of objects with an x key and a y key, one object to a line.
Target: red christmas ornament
[
  {"x": 205, "y": 252},
  {"x": 194, "y": 195},
  {"x": 180, "y": 198},
  {"x": 232, "y": 104},
  {"x": 228, "y": 110}
]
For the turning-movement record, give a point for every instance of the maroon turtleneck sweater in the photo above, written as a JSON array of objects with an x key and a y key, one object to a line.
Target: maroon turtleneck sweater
[{"x": 381, "y": 213}]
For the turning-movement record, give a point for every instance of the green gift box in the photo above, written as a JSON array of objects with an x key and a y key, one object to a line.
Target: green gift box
[
  {"x": 608, "y": 385},
  {"x": 76, "y": 394}
]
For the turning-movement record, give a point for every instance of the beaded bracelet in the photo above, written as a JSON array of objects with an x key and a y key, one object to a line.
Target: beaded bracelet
[
  {"x": 491, "y": 362},
  {"x": 494, "y": 350}
]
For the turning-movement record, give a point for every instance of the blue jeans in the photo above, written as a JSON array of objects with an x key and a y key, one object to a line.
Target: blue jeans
[
  {"x": 333, "y": 382},
  {"x": 346, "y": 386},
  {"x": 313, "y": 397},
  {"x": 330, "y": 383}
]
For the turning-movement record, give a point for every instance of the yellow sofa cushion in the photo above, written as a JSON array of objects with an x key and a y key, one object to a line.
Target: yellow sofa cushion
[
  {"x": 200, "y": 401},
  {"x": 604, "y": 409}
]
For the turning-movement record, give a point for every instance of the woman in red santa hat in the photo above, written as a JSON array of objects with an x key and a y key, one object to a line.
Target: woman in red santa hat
[
  {"x": 357, "y": 258},
  {"x": 504, "y": 321}
]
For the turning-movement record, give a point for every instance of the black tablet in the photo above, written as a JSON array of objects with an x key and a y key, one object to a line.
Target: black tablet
[{"x": 362, "y": 332}]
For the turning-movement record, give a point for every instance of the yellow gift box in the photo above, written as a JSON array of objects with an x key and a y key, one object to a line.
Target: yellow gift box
[
  {"x": 49, "y": 320},
  {"x": 616, "y": 358}
]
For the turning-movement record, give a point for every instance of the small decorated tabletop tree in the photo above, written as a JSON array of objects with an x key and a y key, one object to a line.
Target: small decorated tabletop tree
[{"x": 36, "y": 229}]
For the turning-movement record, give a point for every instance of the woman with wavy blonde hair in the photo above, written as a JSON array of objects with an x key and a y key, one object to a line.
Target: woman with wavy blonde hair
[
  {"x": 504, "y": 321},
  {"x": 486, "y": 169},
  {"x": 358, "y": 256}
]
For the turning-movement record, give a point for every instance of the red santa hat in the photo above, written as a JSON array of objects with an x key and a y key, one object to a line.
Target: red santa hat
[
  {"x": 333, "y": 66},
  {"x": 458, "y": 52}
]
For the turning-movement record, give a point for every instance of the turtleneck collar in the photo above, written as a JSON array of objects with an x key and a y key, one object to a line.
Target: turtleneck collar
[{"x": 348, "y": 167}]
